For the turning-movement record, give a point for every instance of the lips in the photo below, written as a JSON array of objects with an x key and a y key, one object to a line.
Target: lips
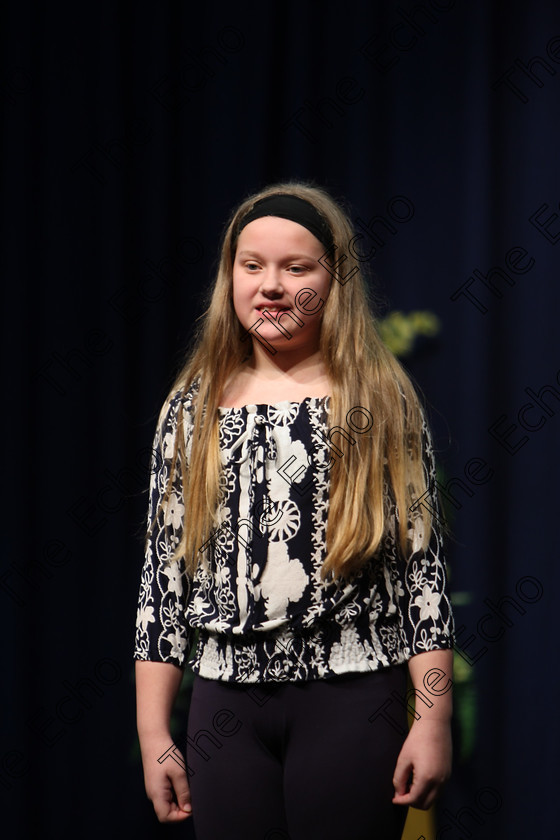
[{"x": 272, "y": 309}]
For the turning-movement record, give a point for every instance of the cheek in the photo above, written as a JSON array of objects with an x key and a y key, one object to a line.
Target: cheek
[
  {"x": 323, "y": 287},
  {"x": 327, "y": 284},
  {"x": 235, "y": 289},
  {"x": 239, "y": 300}
]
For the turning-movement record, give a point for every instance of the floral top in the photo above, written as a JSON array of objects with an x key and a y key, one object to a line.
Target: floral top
[{"x": 257, "y": 600}]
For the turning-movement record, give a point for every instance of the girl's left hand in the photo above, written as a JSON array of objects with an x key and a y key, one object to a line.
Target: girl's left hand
[{"x": 426, "y": 755}]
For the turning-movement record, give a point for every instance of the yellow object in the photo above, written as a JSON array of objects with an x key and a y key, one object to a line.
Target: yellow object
[{"x": 420, "y": 825}]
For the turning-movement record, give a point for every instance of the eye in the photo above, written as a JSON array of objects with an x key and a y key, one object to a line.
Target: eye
[
  {"x": 297, "y": 269},
  {"x": 251, "y": 266}
]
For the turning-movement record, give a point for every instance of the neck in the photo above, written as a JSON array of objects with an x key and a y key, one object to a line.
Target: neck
[{"x": 300, "y": 368}]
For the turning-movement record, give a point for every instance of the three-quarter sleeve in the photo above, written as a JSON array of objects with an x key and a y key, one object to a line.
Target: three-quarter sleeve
[
  {"x": 425, "y": 605},
  {"x": 162, "y": 633}
]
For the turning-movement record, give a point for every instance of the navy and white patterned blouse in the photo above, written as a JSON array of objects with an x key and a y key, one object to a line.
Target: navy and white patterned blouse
[{"x": 257, "y": 599}]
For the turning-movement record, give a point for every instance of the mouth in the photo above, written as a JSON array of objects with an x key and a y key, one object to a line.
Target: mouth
[{"x": 274, "y": 310}]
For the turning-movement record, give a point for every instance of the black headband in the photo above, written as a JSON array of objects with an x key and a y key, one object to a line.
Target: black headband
[{"x": 288, "y": 206}]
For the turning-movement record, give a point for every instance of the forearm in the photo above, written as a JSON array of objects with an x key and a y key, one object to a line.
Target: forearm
[
  {"x": 425, "y": 757},
  {"x": 431, "y": 674},
  {"x": 157, "y": 686}
]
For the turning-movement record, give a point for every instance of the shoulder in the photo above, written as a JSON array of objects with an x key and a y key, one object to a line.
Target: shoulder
[{"x": 179, "y": 403}]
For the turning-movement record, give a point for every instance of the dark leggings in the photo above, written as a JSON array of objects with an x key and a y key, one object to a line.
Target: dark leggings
[{"x": 297, "y": 761}]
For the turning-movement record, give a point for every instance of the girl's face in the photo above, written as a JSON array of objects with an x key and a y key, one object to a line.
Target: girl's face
[{"x": 276, "y": 260}]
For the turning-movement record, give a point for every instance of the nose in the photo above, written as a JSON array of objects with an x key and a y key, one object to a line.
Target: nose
[{"x": 271, "y": 283}]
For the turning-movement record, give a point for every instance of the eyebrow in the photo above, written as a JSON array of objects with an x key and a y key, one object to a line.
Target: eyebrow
[{"x": 298, "y": 256}]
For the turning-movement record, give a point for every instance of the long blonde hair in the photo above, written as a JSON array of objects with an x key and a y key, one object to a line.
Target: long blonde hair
[{"x": 362, "y": 372}]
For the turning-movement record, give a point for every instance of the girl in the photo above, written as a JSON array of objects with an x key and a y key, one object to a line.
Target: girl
[{"x": 293, "y": 525}]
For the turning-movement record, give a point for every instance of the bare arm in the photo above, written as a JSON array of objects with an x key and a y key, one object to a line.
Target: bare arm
[
  {"x": 426, "y": 753},
  {"x": 157, "y": 685}
]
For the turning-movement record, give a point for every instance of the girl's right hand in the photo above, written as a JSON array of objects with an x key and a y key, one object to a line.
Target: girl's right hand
[{"x": 166, "y": 780}]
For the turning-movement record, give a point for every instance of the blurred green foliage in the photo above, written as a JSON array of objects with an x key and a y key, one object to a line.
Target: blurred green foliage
[{"x": 400, "y": 331}]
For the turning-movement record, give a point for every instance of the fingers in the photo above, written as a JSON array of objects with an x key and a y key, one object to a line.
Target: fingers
[
  {"x": 170, "y": 812},
  {"x": 416, "y": 790},
  {"x": 164, "y": 796},
  {"x": 422, "y": 795},
  {"x": 401, "y": 776},
  {"x": 423, "y": 765},
  {"x": 413, "y": 786},
  {"x": 183, "y": 795}
]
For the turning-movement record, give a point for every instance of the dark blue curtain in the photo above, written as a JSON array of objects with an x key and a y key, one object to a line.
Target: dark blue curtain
[{"x": 129, "y": 132}]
